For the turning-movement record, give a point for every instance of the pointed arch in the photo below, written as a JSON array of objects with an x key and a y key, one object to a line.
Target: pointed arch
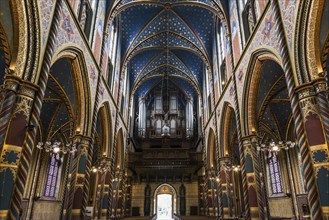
[
  {"x": 211, "y": 149},
  {"x": 18, "y": 24},
  {"x": 119, "y": 150},
  {"x": 81, "y": 85},
  {"x": 307, "y": 51},
  {"x": 226, "y": 127},
  {"x": 104, "y": 128},
  {"x": 165, "y": 188},
  {"x": 253, "y": 75}
]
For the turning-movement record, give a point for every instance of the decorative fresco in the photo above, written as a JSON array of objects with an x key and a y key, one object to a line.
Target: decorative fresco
[
  {"x": 235, "y": 31},
  {"x": 106, "y": 99},
  {"x": 75, "y": 6},
  {"x": 99, "y": 26},
  {"x": 289, "y": 9},
  {"x": 67, "y": 36},
  {"x": 46, "y": 13},
  {"x": 265, "y": 36},
  {"x": 260, "y": 6},
  {"x": 228, "y": 97},
  {"x": 215, "y": 77}
]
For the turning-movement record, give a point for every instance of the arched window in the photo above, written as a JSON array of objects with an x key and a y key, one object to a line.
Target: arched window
[
  {"x": 113, "y": 45},
  {"x": 275, "y": 174},
  {"x": 221, "y": 48},
  {"x": 85, "y": 17},
  {"x": 53, "y": 170},
  {"x": 247, "y": 17}
]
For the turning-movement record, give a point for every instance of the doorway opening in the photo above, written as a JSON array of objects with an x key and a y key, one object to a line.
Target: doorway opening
[
  {"x": 164, "y": 206},
  {"x": 165, "y": 202}
]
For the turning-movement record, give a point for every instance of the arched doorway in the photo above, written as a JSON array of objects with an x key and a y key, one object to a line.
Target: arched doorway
[{"x": 165, "y": 201}]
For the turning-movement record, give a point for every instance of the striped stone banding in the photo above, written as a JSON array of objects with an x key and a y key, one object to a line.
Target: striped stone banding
[
  {"x": 259, "y": 189},
  {"x": 310, "y": 178},
  {"x": 241, "y": 147},
  {"x": 22, "y": 170}
]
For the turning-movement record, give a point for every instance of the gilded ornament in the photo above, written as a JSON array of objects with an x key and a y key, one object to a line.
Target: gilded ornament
[
  {"x": 308, "y": 108},
  {"x": 306, "y": 93},
  {"x": 23, "y": 106}
]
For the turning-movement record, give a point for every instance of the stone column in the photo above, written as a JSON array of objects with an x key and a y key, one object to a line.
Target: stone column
[
  {"x": 315, "y": 156},
  {"x": 102, "y": 189},
  {"x": 117, "y": 199},
  {"x": 253, "y": 175},
  {"x": 211, "y": 192},
  {"x": 15, "y": 153},
  {"x": 201, "y": 191},
  {"x": 78, "y": 178}
]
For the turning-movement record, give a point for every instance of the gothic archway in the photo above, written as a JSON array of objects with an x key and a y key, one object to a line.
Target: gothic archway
[
  {"x": 100, "y": 179},
  {"x": 59, "y": 122},
  {"x": 167, "y": 192},
  {"x": 211, "y": 150}
]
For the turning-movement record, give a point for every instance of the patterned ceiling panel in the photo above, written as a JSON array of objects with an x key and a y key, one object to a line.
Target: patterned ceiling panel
[
  {"x": 193, "y": 61},
  {"x": 137, "y": 63},
  {"x": 201, "y": 24},
  {"x": 62, "y": 73},
  {"x": 54, "y": 112},
  {"x": 167, "y": 21},
  {"x": 167, "y": 39},
  {"x": 185, "y": 27},
  {"x": 146, "y": 86},
  {"x": 273, "y": 104},
  {"x": 170, "y": 70},
  {"x": 186, "y": 86},
  {"x": 282, "y": 113},
  {"x": 268, "y": 120},
  {"x": 134, "y": 19},
  {"x": 271, "y": 73},
  {"x": 166, "y": 59},
  {"x": 281, "y": 92}
]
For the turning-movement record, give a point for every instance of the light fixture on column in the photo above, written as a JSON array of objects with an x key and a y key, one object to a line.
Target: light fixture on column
[
  {"x": 56, "y": 147},
  {"x": 273, "y": 146},
  {"x": 230, "y": 165},
  {"x": 103, "y": 165}
]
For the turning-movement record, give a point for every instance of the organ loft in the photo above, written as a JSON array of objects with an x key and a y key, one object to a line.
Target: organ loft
[{"x": 164, "y": 109}]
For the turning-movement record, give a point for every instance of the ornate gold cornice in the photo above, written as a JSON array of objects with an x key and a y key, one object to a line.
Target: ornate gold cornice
[
  {"x": 312, "y": 88},
  {"x": 16, "y": 84}
]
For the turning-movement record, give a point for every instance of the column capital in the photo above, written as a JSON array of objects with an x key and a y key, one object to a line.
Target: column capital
[
  {"x": 27, "y": 89},
  {"x": 312, "y": 88},
  {"x": 11, "y": 81},
  {"x": 18, "y": 85},
  {"x": 305, "y": 91},
  {"x": 82, "y": 143},
  {"x": 320, "y": 85},
  {"x": 248, "y": 141}
]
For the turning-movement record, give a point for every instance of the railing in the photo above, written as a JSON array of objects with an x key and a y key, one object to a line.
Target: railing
[
  {"x": 153, "y": 217},
  {"x": 176, "y": 217}
]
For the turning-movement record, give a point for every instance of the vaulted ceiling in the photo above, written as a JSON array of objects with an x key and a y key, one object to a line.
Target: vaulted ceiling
[{"x": 167, "y": 37}]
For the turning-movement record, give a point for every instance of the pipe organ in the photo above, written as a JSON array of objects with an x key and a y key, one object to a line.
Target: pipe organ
[{"x": 168, "y": 115}]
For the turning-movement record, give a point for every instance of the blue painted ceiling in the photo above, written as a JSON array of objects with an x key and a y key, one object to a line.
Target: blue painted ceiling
[{"x": 166, "y": 37}]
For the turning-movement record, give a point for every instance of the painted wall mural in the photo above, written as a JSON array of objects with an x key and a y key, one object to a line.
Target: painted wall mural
[
  {"x": 289, "y": 9},
  {"x": 267, "y": 37},
  {"x": 99, "y": 26},
  {"x": 46, "y": 14},
  {"x": 68, "y": 36},
  {"x": 235, "y": 30}
]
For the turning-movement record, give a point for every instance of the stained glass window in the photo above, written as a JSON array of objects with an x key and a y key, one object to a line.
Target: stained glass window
[
  {"x": 52, "y": 174},
  {"x": 275, "y": 174}
]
